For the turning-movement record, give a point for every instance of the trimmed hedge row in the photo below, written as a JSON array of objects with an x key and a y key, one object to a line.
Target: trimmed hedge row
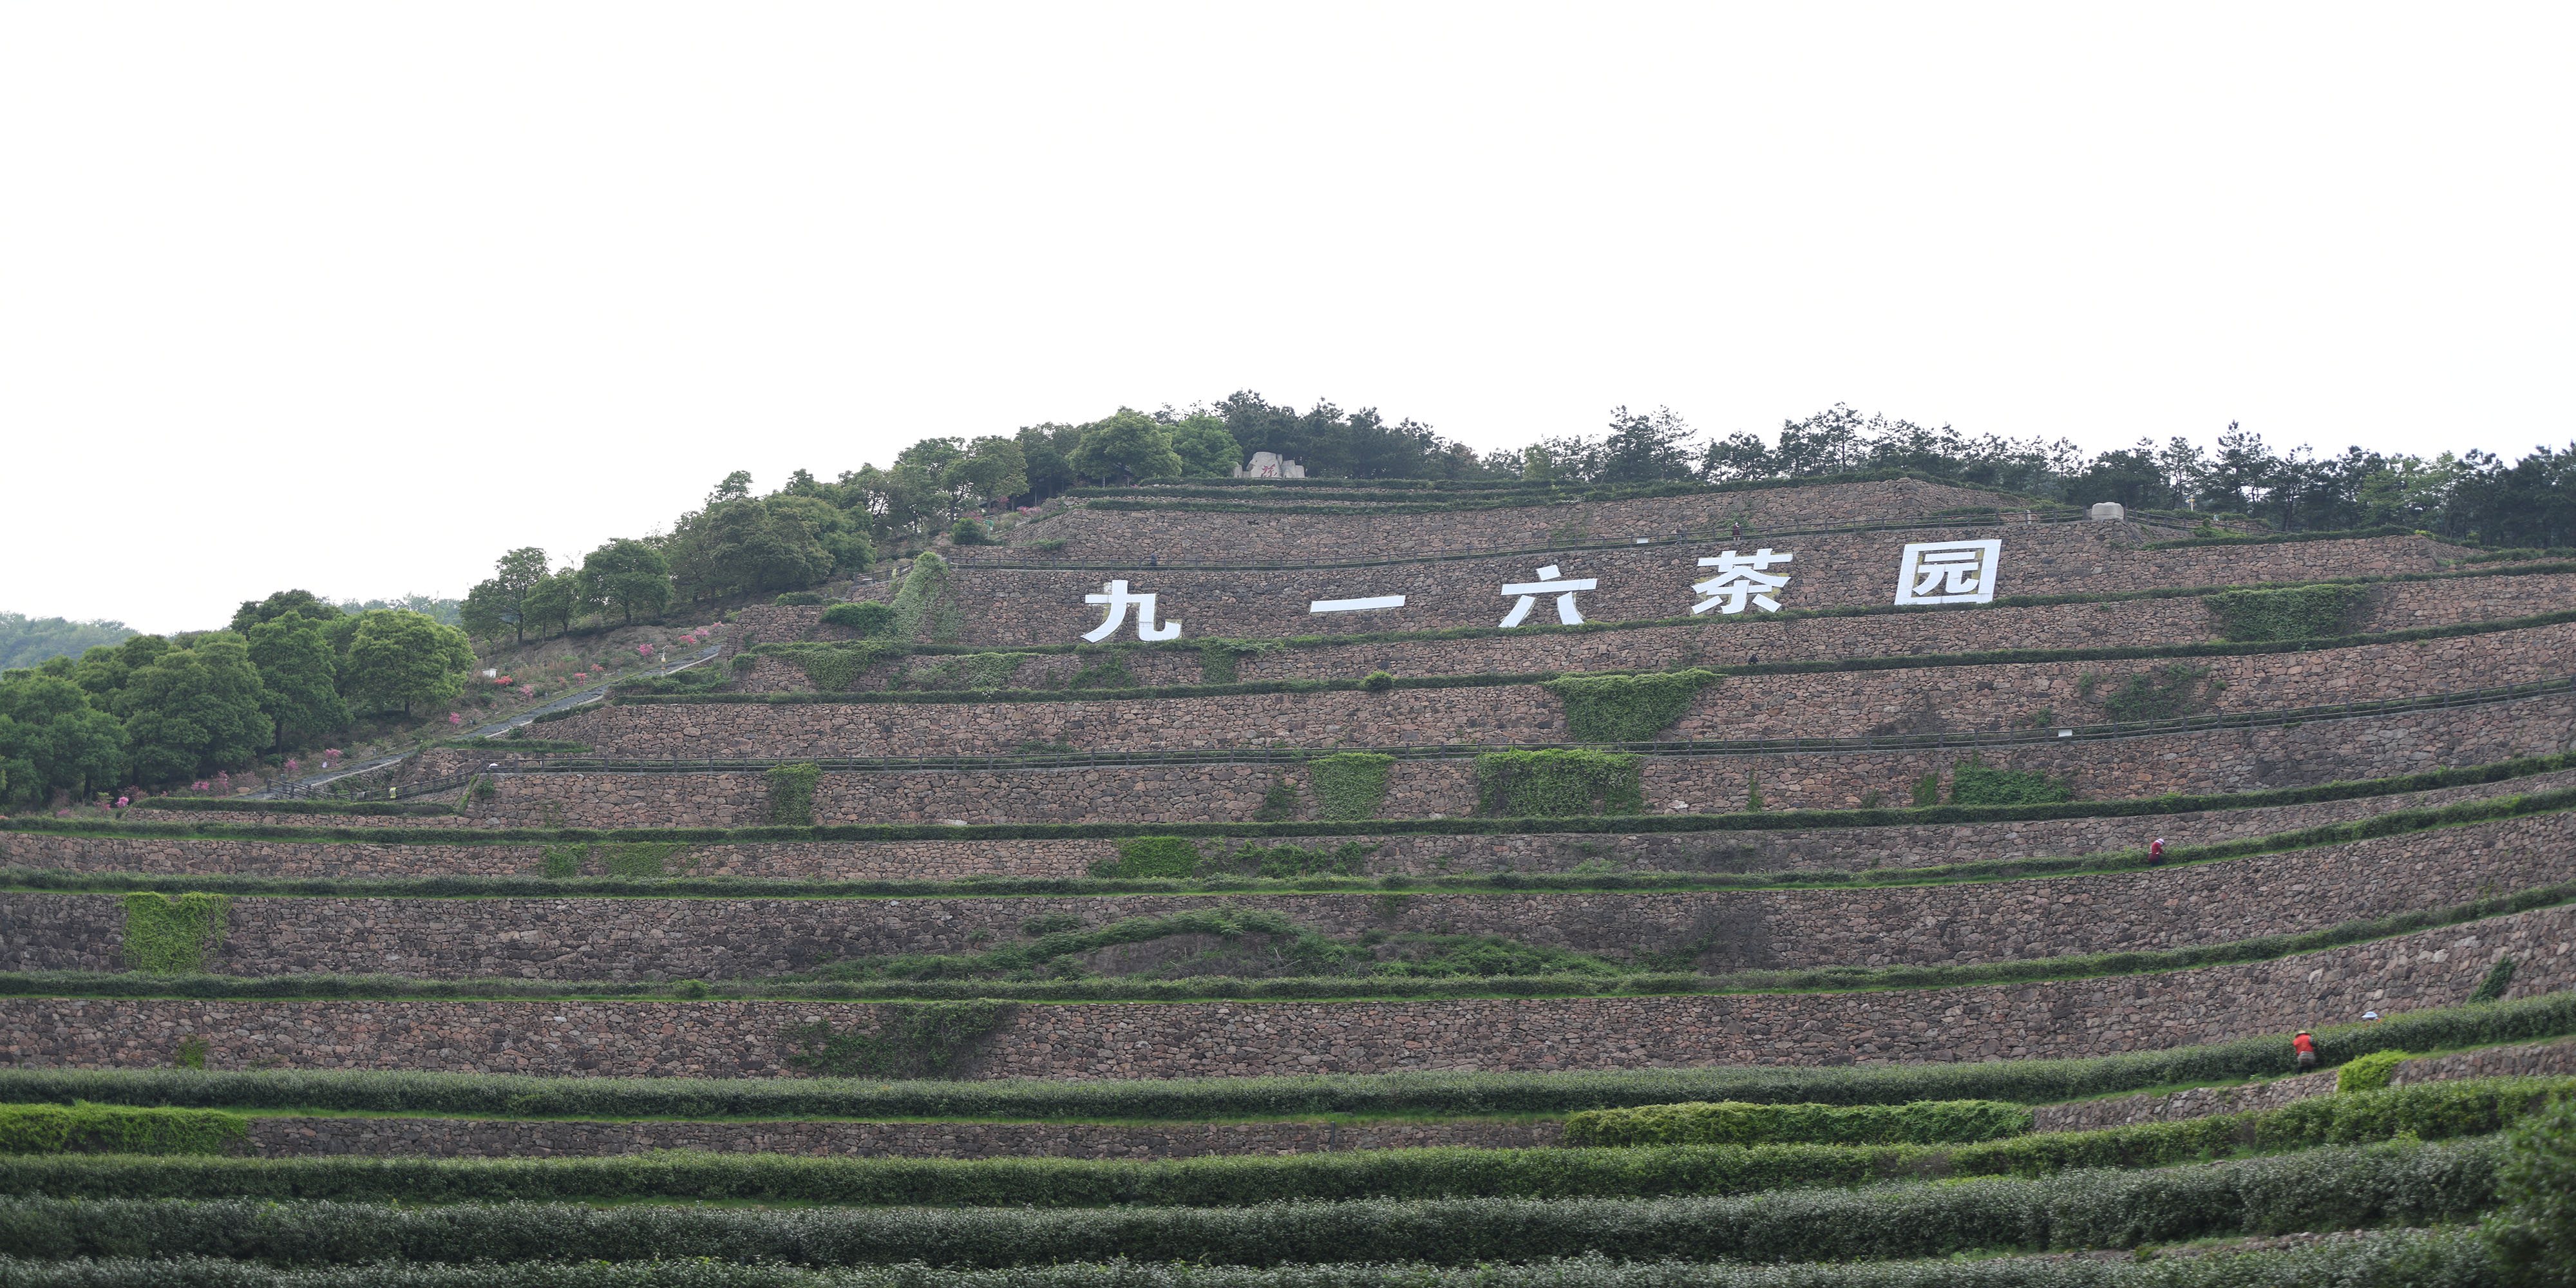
[
  {"x": 2332, "y": 1189},
  {"x": 2394, "y": 1259},
  {"x": 1763, "y": 821},
  {"x": 1245, "y": 1179},
  {"x": 1899, "y": 662},
  {"x": 2029, "y": 1082},
  {"x": 1737, "y": 1122},
  {"x": 81, "y": 1128}
]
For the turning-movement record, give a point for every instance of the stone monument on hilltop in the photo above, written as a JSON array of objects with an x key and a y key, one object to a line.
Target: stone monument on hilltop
[{"x": 1268, "y": 465}]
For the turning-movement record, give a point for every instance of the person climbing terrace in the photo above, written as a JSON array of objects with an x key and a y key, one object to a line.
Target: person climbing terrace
[
  {"x": 2156, "y": 853},
  {"x": 2306, "y": 1046}
]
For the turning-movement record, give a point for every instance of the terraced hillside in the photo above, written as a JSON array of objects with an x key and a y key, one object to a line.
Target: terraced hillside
[{"x": 1811, "y": 926}]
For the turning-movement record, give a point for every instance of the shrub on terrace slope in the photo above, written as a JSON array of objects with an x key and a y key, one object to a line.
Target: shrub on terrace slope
[{"x": 1734, "y": 1122}]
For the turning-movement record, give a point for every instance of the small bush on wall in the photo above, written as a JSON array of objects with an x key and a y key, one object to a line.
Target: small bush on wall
[
  {"x": 1626, "y": 708},
  {"x": 791, "y": 794},
  {"x": 166, "y": 936},
  {"x": 1350, "y": 784},
  {"x": 868, "y": 617},
  {"x": 2294, "y": 613},
  {"x": 1974, "y": 782}
]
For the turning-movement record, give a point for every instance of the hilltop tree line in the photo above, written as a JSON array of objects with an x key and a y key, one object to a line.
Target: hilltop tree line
[
  {"x": 156, "y": 710},
  {"x": 736, "y": 543}
]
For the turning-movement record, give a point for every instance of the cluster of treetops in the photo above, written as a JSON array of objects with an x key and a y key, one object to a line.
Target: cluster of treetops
[
  {"x": 291, "y": 667},
  {"x": 160, "y": 710},
  {"x": 740, "y": 544}
]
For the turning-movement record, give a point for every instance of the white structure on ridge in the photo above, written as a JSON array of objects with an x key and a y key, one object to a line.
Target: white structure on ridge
[{"x": 1268, "y": 465}]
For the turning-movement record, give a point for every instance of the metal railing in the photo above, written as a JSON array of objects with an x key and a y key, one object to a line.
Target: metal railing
[{"x": 677, "y": 764}]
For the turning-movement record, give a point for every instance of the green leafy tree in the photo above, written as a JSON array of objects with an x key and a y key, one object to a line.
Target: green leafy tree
[
  {"x": 1126, "y": 446},
  {"x": 745, "y": 547},
  {"x": 195, "y": 710},
  {"x": 1205, "y": 449},
  {"x": 53, "y": 739},
  {"x": 103, "y": 671},
  {"x": 518, "y": 573},
  {"x": 627, "y": 577},
  {"x": 1043, "y": 449},
  {"x": 489, "y": 609},
  {"x": 993, "y": 470},
  {"x": 298, "y": 676},
  {"x": 551, "y": 604},
  {"x": 401, "y": 659},
  {"x": 285, "y": 603}
]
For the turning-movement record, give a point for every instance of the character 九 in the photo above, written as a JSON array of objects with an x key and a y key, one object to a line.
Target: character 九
[
  {"x": 1740, "y": 580},
  {"x": 1549, "y": 583},
  {"x": 1118, "y": 599},
  {"x": 1948, "y": 572}
]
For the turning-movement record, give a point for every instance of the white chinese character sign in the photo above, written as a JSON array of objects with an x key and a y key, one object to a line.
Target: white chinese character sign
[
  {"x": 1948, "y": 572},
  {"x": 1741, "y": 580},
  {"x": 1547, "y": 584},
  {"x": 1115, "y": 596}
]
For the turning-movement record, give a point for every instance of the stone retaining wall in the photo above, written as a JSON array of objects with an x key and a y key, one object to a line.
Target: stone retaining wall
[
  {"x": 2207, "y": 761},
  {"x": 1839, "y": 704},
  {"x": 1090, "y": 533},
  {"x": 1234, "y": 1039},
  {"x": 1723, "y": 640},
  {"x": 1259, "y": 535},
  {"x": 519, "y": 1138},
  {"x": 630, "y": 939},
  {"x": 1005, "y": 606},
  {"x": 1903, "y": 845}
]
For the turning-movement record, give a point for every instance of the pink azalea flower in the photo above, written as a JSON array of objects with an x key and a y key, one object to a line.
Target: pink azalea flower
[
  {"x": 455, "y": 719},
  {"x": 121, "y": 802}
]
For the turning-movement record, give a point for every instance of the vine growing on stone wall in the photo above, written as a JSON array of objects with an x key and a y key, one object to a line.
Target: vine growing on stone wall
[
  {"x": 922, "y": 588},
  {"x": 1350, "y": 784},
  {"x": 2294, "y": 613},
  {"x": 1974, "y": 782},
  {"x": 791, "y": 794},
  {"x": 620, "y": 859},
  {"x": 165, "y": 936},
  {"x": 913, "y": 1040},
  {"x": 1627, "y": 708},
  {"x": 2179, "y": 689},
  {"x": 1279, "y": 803},
  {"x": 1152, "y": 856},
  {"x": 1557, "y": 784},
  {"x": 1107, "y": 671}
]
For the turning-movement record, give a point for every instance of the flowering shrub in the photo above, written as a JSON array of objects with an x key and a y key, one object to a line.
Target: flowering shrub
[
  {"x": 643, "y": 650},
  {"x": 292, "y": 764},
  {"x": 455, "y": 719},
  {"x": 123, "y": 801}
]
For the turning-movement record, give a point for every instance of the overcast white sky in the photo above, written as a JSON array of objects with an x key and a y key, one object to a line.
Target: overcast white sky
[{"x": 354, "y": 296}]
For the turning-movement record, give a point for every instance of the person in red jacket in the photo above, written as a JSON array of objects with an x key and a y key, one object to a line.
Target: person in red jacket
[
  {"x": 2156, "y": 853},
  {"x": 2306, "y": 1046}
]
